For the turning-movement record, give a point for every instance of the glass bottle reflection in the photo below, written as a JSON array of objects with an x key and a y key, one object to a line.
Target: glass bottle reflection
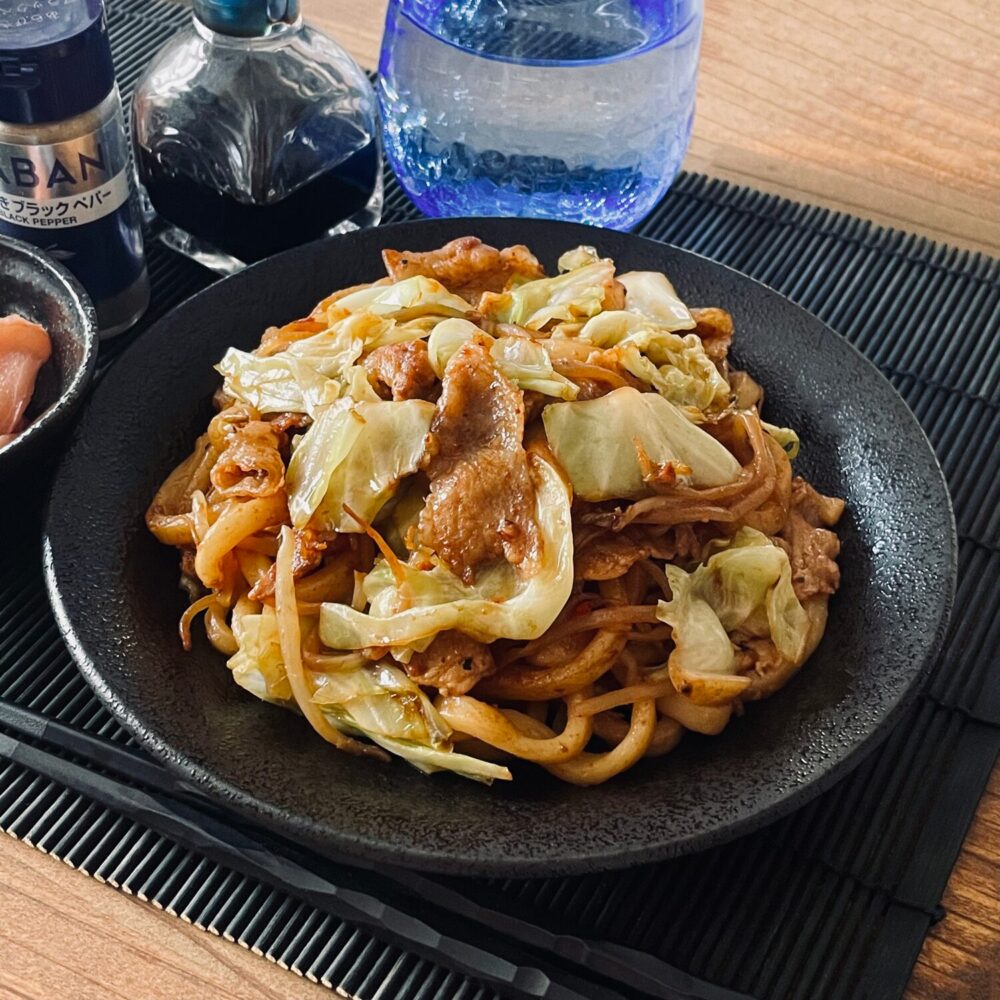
[{"x": 254, "y": 134}]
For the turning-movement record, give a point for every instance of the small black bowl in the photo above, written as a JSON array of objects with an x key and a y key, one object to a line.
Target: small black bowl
[{"x": 36, "y": 287}]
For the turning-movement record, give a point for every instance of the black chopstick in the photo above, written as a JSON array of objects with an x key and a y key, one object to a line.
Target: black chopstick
[
  {"x": 237, "y": 849},
  {"x": 183, "y": 816}
]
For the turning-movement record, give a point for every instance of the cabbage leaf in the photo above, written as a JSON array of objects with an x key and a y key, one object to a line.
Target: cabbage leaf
[
  {"x": 333, "y": 350},
  {"x": 650, "y": 294},
  {"x": 576, "y": 258},
  {"x": 279, "y": 384},
  {"x": 406, "y": 300},
  {"x": 744, "y": 589},
  {"x": 358, "y": 387},
  {"x": 257, "y": 665},
  {"x": 688, "y": 376},
  {"x": 529, "y": 367},
  {"x": 355, "y": 455},
  {"x": 675, "y": 366},
  {"x": 786, "y": 437},
  {"x": 376, "y": 700},
  {"x": 502, "y": 604},
  {"x": 526, "y": 363},
  {"x": 318, "y": 452},
  {"x": 595, "y": 442},
  {"x": 570, "y": 296},
  {"x": 431, "y": 759},
  {"x": 445, "y": 340}
]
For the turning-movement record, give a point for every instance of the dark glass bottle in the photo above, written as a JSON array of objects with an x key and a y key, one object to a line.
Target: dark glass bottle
[
  {"x": 254, "y": 133},
  {"x": 64, "y": 172}
]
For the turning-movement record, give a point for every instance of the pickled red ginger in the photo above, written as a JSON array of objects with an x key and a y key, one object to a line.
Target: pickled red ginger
[{"x": 24, "y": 348}]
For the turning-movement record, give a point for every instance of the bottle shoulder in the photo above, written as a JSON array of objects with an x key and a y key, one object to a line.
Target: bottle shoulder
[
  {"x": 261, "y": 119},
  {"x": 306, "y": 62}
]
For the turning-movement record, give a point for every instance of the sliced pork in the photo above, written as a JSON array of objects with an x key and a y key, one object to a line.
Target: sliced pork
[
  {"x": 466, "y": 266},
  {"x": 453, "y": 663},
  {"x": 401, "y": 371},
  {"x": 481, "y": 502}
]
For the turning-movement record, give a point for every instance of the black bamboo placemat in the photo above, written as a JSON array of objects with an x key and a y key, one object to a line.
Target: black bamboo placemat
[{"x": 833, "y": 901}]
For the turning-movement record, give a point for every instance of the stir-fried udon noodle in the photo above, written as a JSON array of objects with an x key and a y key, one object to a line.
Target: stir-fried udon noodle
[{"x": 469, "y": 514}]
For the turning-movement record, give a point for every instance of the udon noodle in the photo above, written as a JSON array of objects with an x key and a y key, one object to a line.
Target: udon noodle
[{"x": 471, "y": 514}]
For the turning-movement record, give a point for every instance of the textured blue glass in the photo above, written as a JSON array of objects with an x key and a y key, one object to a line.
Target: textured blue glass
[{"x": 562, "y": 109}]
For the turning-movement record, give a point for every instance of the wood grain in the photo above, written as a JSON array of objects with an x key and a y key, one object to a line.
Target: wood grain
[
  {"x": 960, "y": 959},
  {"x": 64, "y": 936},
  {"x": 889, "y": 110}
]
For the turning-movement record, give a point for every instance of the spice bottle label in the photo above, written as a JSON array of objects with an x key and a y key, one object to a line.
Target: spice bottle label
[{"x": 64, "y": 184}]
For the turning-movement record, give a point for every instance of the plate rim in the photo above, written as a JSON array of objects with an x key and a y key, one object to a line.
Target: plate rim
[{"x": 297, "y": 827}]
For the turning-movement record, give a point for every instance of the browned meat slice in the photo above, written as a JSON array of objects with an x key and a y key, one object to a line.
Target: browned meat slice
[
  {"x": 614, "y": 296},
  {"x": 402, "y": 370},
  {"x": 812, "y": 549},
  {"x": 481, "y": 501},
  {"x": 453, "y": 663},
  {"x": 683, "y": 542},
  {"x": 310, "y": 547},
  {"x": 251, "y": 464},
  {"x": 764, "y": 664},
  {"x": 813, "y": 506},
  {"x": 607, "y": 556},
  {"x": 284, "y": 422},
  {"x": 715, "y": 327},
  {"x": 746, "y": 392},
  {"x": 466, "y": 266}
]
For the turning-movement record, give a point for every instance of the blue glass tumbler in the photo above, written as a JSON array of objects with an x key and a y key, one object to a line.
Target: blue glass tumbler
[{"x": 559, "y": 109}]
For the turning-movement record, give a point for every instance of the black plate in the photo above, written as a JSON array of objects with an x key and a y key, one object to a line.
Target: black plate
[{"x": 114, "y": 589}]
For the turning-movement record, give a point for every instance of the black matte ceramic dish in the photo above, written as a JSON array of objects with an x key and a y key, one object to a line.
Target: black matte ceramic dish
[
  {"x": 115, "y": 592},
  {"x": 35, "y": 286}
]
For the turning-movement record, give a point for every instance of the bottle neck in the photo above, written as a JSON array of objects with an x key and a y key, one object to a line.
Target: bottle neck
[{"x": 246, "y": 20}]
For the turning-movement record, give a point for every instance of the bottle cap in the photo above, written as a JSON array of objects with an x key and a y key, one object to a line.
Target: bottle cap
[
  {"x": 55, "y": 59},
  {"x": 245, "y": 18}
]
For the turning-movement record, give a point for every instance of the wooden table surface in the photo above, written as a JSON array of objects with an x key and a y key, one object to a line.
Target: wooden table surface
[{"x": 887, "y": 109}]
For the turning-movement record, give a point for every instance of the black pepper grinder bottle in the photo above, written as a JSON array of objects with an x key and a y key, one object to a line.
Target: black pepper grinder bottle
[{"x": 64, "y": 171}]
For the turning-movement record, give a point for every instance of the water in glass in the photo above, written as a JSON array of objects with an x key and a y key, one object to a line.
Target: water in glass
[{"x": 568, "y": 109}]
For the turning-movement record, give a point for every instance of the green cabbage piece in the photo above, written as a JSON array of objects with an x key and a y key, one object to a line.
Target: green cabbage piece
[
  {"x": 355, "y": 455},
  {"x": 526, "y": 363},
  {"x": 406, "y": 299},
  {"x": 786, "y": 437},
  {"x": 379, "y": 698},
  {"x": 675, "y": 366},
  {"x": 743, "y": 590},
  {"x": 595, "y": 442},
  {"x": 374, "y": 700},
  {"x": 333, "y": 350},
  {"x": 529, "y": 367},
  {"x": 688, "y": 378},
  {"x": 572, "y": 296},
  {"x": 401, "y": 513},
  {"x": 356, "y": 385},
  {"x": 610, "y": 328},
  {"x": 279, "y": 384},
  {"x": 445, "y": 340},
  {"x": 310, "y": 373},
  {"x": 257, "y": 665},
  {"x": 650, "y": 294},
  {"x": 576, "y": 258},
  {"x": 430, "y": 759},
  {"x": 502, "y": 604}
]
